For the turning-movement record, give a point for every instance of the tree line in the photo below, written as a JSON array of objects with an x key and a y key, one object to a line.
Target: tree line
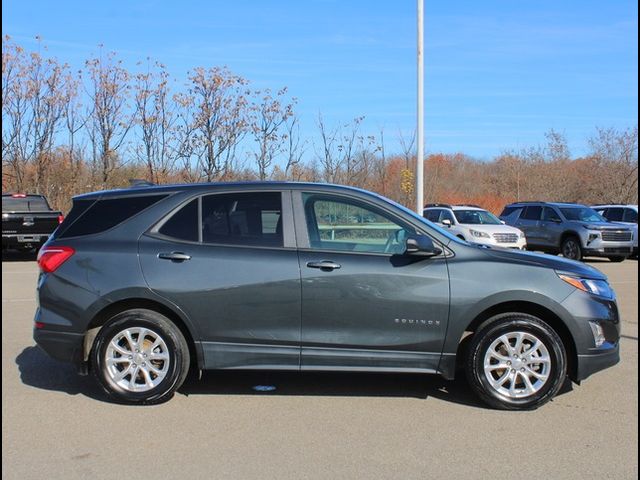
[{"x": 66, "y": 132}]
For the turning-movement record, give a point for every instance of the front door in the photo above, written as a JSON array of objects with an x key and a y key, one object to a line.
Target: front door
[
  {"x": 228, "y": 262},
  {"x": 364, "y": 304}
]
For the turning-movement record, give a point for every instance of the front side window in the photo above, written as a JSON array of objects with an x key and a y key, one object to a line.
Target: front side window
[
  {"x": 550, "y": 215},
  {"x": 630, "y": 215},
  {"x": 340, "y": 224},
  {"x": 243, "y": 219},
  {"x": 447, "y": 215},
  {"x": 615, "y": 214}
]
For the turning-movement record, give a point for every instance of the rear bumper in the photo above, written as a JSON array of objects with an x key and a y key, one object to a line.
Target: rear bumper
[
  {"x": 63, "y": 346},
  {"x": 592, "y": 363},
  {"x": 24, "y": 241}
]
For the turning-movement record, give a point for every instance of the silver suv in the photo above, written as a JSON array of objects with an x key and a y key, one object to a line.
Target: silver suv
[
  {"x": 624, "y": 214},
  {"x": 574, "y": 230}
]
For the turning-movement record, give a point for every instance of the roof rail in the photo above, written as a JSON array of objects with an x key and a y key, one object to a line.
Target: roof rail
[
  {"x": 442, "y": 205},
  {"x": 469, "y": 205}
]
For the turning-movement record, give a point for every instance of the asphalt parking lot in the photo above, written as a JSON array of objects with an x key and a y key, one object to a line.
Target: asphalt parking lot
[{"x": 56, "y": 424}]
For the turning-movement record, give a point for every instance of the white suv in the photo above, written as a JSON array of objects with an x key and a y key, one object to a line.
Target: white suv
[
  {"x": 476, "y": 225},
  {"x": 625, "y": 214}
]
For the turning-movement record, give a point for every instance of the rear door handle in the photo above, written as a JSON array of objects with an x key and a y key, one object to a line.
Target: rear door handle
[
  {"x": 174, "y": 256},
  {"x": 324, "y": 265}
]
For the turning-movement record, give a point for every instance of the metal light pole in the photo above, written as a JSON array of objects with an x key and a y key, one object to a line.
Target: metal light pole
[{"x": 420, "y": 128}]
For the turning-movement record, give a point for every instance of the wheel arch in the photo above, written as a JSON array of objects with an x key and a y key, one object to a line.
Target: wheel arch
[
  {"x": 567, "y": 234},
  {"x": 109, "y": 311},
  {"x": 531, "y": 308}
]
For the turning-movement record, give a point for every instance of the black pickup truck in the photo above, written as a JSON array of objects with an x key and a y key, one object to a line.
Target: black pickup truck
[{"x": 27, "y": 221}]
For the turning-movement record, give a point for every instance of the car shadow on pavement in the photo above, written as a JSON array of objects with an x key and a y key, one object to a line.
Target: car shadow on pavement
[
  {"x": 38, "y": 370},
  {"x": 340, "y": 384}
]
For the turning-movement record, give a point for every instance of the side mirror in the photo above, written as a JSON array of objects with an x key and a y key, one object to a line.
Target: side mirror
[
  {"x": 503, "y": 222},
  {"x": 446, "y": 222},
  {"x": 421, "y": 245}
]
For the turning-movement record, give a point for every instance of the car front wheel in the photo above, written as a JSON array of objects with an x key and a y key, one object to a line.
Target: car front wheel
[
  {"x": 516, "y": 362},
  {"x": 140, "y": 357},
  {"x": 572, "y": 249}
]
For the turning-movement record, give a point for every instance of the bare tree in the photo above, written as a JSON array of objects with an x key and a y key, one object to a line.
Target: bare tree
[
  {"x": 46, "y": 99},
  {"x": 219, "y": 119},
  {"x": 295, "y": 149},
  {"x": 339, "y": 149},
  {"x": 617, "y": 155},
  {"x": 108, "y": 92},
  {"x": 156, "y": 117},
  {"x": 268, "y": 114}
]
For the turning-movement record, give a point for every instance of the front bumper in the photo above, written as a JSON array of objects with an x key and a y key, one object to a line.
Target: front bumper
[
  {"x": 521, "y": 244},
  {"x": 585, "y": 309},
  {"x": 592, "y": 363},
  {"x": 600, "y": 248}
]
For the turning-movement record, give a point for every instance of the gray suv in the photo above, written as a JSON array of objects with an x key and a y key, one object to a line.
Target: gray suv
[
  {"x": 574, "y": 230},
  {"x": 139, "y": 286}
]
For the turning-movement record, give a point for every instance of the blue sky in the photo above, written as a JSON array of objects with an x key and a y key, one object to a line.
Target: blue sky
[{"x": 498, "y": 73}]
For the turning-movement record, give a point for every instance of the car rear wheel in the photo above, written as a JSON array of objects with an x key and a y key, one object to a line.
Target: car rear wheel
[
  {"x": 572, "y": 249},
  {"x": 516, "y": 362},
  {"x": 140, "y": 357}
]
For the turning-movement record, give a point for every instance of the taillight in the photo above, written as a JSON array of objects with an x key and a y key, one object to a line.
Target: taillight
[
  {"x": 50, "y": 258},
  {"x": 60, "y": 219}
]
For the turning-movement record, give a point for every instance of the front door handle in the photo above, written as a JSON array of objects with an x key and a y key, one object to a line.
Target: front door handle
[
  {"x": 324, "y": 265},
  {"x": 174, "y": 256}
]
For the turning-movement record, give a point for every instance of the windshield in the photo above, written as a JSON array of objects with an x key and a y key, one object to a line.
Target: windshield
[
  {"x": 476, "y": 217},
  {"x": 581, "y": 214}
]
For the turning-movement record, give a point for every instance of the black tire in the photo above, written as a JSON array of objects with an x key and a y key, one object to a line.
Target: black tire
[
  {"x": 505, "y": 324},
  {"x": 176, "y": 349},
  {"x": 617, "y": 259},
  {"x": 571, "y": 248}
]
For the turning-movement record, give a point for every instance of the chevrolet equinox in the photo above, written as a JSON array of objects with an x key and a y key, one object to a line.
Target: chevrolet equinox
[{"x": 140, "y": 285}]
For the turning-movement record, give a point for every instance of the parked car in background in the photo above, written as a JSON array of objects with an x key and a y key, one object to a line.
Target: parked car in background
[
  {"x": 475, "y": 224},
  {"x": 255, "y": 276},
  {"x": 574, "y": 230},
  {"x": 624, "y": 214},
  {"x": 27, "y": 221}
]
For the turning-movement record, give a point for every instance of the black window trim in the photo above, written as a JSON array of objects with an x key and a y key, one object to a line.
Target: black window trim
[{"x": 288, "y": 234}]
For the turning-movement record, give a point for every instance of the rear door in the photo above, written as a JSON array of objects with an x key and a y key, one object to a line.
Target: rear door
[
  {"x": 229, "y": 261},
  {"x": 529, "y": 224},
  {"x": 364, "y": 305}
]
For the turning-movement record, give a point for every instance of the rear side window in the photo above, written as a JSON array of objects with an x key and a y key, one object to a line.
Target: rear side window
[
  {"x": 25, "y": 204},
  {"x": 183, "y": 225},
  {"x": 432, "y": 215},
  {"x": 508, "y": 211},
  {"x": 105, "y": 214},
  {"x": 531, "y": 213},
  {"x": 243, "y": 219}
]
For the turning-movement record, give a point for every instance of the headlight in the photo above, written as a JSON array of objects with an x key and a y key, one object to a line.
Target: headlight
[
  {"x": 595, "y": 287},
  {"x": 479, "y": 234}
]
